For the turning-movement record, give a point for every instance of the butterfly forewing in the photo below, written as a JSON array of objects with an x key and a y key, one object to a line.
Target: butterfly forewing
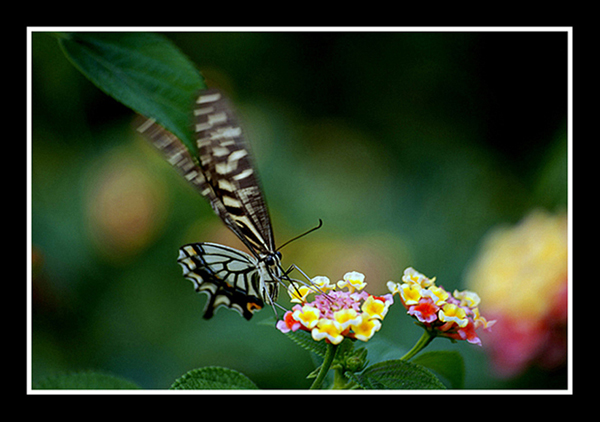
[
  {"x": 179, "y": 157},
  {"x": 224, "y": 173},
  {"x": 227, "y": 163}
]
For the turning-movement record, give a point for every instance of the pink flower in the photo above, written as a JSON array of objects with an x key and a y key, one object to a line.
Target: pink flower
[
  {"x": 288, "y": 323},
  {"x": 465, "y": 333},
  {"x": 336, "y": 314}
]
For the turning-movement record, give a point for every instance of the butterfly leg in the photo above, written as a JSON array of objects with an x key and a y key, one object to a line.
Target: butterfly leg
[
  {"x": 294, "y": 281},
  {"x": 295, "y": 267}
]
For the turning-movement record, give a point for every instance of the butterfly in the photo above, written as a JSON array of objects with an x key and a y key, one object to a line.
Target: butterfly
[{"x": 224, "y": 173}]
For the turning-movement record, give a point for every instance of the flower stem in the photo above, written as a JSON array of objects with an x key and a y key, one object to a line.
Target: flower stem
[
  {"x": 425, "y": 339},
  {"x": 327, "y": 361}
]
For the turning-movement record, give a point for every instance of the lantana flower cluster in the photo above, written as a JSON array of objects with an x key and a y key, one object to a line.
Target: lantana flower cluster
[
  {"x": 338, "y": 311},
  {"x": 454, "y": 316}
]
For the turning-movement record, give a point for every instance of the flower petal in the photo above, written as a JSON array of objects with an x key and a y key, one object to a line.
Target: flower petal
[
  {"x": 366, "y": 327},
  {"x": 345, "y": 318},
  {"x": 425, "y": 311},
  {"x": 352, "y": 280},
  {"x": 298, "y": 292},
  {"x": 467, "y": 298},
  {"x": 410, "y": 293},
  {"x": 322, "y": 284},
  {"x": 411, "y": 276},
  {"x": 375, "y": 307},
  {"x": 453, "y": 313},
  {"x": 327, "y": 329},
  {"x": 307, "y": 316}
]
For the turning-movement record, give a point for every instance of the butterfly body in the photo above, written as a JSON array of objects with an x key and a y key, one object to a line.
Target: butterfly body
[{"x": 223, "y": 172}]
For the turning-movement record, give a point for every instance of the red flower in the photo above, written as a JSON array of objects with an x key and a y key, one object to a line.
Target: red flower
[{"x": 425, "y": 310}]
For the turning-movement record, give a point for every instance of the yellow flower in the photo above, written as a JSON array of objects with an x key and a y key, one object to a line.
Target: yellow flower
[
  {"x": 410, "y": 293},
  {"x": 336, "y": 314},
  {"x": 366, "y": 327},
  {"x": 375, "y": 307},
  {"x": 453, "y": 313},
  {"x": 437, "y": 294},
  {"x": 393, "y": 287},
  {"x": 480, "y": 321},
  {"x": 467, "y": 298},
  {"x": 322, "y": 284},
  {"x": 328, "y": 329},
  {"x": 521, "y": 270},
  {"x": 307, "y": 316},
  {"x": 345, "y": 317},
  {"x": 411, "y": 276},
  {"x": 353, "y": 280},
  {"x": 456, "y": 317},
  {"x": 298, "y": 292}
]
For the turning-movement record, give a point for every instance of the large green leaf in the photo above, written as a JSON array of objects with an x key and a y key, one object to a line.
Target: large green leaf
[
  {"x": 447, "y": 363},
  {"x": 84, "y": 381},
  {"x": 397, "y": 374},
  {"x": 213, "y": 378},
  {"x": 144, "y": 71}
]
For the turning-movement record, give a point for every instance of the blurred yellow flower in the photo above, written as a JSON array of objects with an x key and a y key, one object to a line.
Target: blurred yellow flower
[
  {"x": 520, "y": 274},
  {"x": 345, "y": 318}
]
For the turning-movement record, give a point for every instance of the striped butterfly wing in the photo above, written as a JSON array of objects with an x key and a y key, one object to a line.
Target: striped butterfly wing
[
  {"x": 179, "y": 157},
  {"x": 227, "y": 165},
  {"x": 224, "y": 174},
  {"x": 229, "y": 277}
]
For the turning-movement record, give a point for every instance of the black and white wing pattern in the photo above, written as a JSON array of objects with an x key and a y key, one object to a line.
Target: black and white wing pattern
[
  {"x": 230, "y": 277},
  {"x": 227, "y": 164},
  {"x": 223, "y": 173}
]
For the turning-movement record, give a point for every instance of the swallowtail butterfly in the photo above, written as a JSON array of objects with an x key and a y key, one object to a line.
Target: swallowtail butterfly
[{"x": 223, "y": 173}]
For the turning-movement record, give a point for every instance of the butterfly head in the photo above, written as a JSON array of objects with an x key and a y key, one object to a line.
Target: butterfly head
[
  {"x": 270, "y": 266},
  {"x": 273, "y": 259}
]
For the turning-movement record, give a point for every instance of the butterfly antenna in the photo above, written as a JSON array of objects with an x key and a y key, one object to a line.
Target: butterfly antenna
[{"x": 303, "y": 234}]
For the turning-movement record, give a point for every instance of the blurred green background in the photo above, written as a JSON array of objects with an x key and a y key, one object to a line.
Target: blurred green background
[{"x": 409, "y": 147}]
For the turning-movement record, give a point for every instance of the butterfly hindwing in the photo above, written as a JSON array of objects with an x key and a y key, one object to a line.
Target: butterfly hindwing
[{"x": 229, "y": 277}]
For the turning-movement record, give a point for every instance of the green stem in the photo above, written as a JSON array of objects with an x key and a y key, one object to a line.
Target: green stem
[
  {"x": 425, "y": 339},
  {"x": 327, "y": 361},
  {"x": 340, "y": 381}
]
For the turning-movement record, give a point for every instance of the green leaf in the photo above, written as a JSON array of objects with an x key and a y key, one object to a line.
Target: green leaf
[
  {"x": 397, "y": 374},
  {"x": 213, "y": 378},
  {"x": 84, "y": 381},
  {"x": 448, "y": 364},
  {"x": 144, "y": 71},
  {"x": 305, "y": 340}
]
